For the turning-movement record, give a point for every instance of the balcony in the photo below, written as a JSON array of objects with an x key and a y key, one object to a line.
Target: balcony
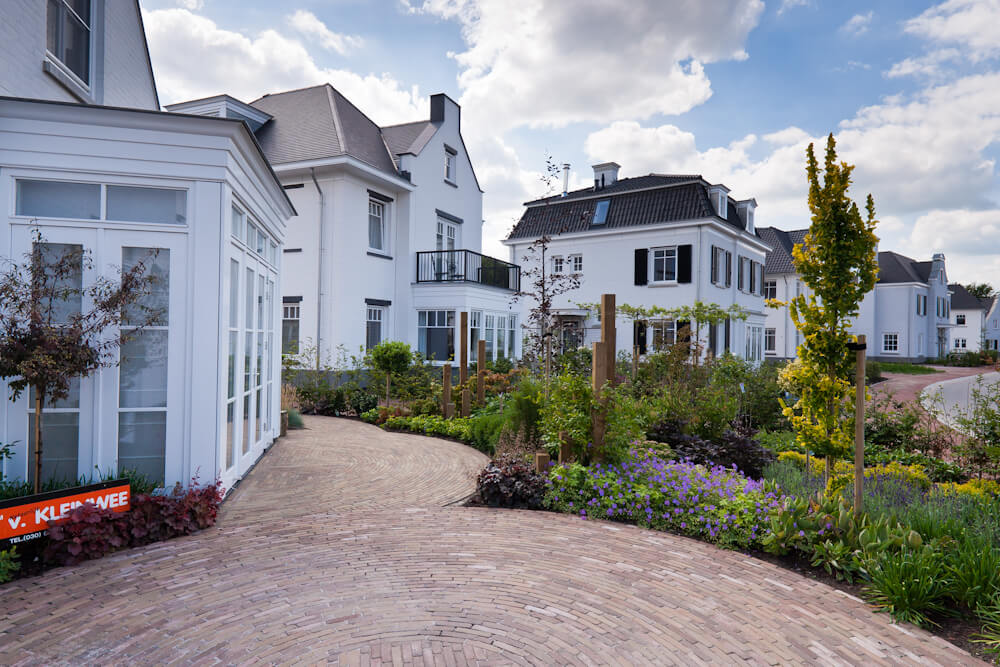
[{"x": 451, "y": 266}]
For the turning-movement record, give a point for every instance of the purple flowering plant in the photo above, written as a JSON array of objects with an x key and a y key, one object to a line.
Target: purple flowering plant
[{"x": 715, "y": 504}]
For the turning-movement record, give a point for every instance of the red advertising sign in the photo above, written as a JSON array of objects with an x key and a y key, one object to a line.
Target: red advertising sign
[{"x": 27, "y": 518}]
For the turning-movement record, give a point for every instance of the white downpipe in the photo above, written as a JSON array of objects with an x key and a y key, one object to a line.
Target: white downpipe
[{"x": 322, "y": 257}]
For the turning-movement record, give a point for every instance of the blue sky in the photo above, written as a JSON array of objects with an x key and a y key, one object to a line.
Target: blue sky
[{"x": 731, "y": 89}]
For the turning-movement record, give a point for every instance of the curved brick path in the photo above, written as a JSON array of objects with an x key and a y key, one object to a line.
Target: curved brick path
[{"x": 343, "y": 552}]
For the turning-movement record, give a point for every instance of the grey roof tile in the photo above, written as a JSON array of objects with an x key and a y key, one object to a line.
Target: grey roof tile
[
  {"x": 779, "y": 260},
  {"x": 408, "y": 137},
  {"x": 962, "y": 299},
  {"x": 644, "y": 200}
]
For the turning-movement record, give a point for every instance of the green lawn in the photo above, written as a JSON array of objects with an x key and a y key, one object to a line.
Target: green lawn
[{"x": 909, "y": 369}]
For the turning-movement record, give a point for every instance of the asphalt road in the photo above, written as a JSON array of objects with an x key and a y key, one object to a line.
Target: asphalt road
[{"x": 953, "y": 396}]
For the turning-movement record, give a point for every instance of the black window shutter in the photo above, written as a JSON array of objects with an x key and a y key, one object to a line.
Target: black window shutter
[
  {"x": 729, "y": 269},
  {"x": 727, "y": 334},
  {"x": 753, "y": 277},
  {"x": 641, "y": 266},
  {"x": 715, "y": 264},
  {"x": 684, "y": 263},
  {"x": 739, "y": 273},
  {"x": 639, "y": 336},
  {"x": 713, "y": 338}
]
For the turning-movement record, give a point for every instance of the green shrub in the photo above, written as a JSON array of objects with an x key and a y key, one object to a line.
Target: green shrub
[
  {"x": 295, "y": 419},
  {"x": 973, "y": 566},
  {"x": 910, "y": 584},
  {"x": 485, "y": 430},
  {"x": 568, "y": 410},
  {"x": 989, "y": 614},
  {"x": 792, "y": 479},
  {"x": 523, "y": 409},
  {"x": 9, "y": 565},
  {"x": 906, "y": 368},
  {"x": 425, "y": 406},
  {"x": 390, "y": 358},
  {"x": 459, "y": 428},
  {"x": 779, "y": 441},
  {"x": 873, "y": 372}
]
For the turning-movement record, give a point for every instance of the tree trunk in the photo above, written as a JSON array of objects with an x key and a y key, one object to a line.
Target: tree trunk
[
  {"x": 39, "y": 402},
  {"x": 387, "y": 378}
]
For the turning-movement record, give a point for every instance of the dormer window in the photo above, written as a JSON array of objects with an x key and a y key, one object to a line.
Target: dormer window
[
  {"x": 449, "y": 164},
  {"x": 601, "y": 212},
  {"x": 68, "y": 36}
]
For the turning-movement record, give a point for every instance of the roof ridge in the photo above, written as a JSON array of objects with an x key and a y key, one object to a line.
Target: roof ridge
[
  {"x": 286, "y": 92},
  {"x": 412, "y": 122},
  {"x": 336, "y": 119},
  {"x": 598, "y": 193}
]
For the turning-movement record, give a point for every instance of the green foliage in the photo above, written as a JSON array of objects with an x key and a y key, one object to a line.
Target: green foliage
[
  {"x": 792, "y": 479},
  {"x": 779, "y": 441},
  {"x": 459, "y": 428},
  {"x": 568, "y": 410},
  {"x": 523, "y": 409},
  {"x": 910, "y": 584},
  {"x": 390, "y": 358},
  {"x": 756, "y": 388},
  {"x": 484, "y": 431},
  {"x": 989, "y": 614},
  {"x": 837, "y": 261},
  {"x": 295, "y": 419},
  {"x": 979, "y": 452},
  {"x": 973, "y": 567},
  {"x": 625, "y": 423},
  {"x": 9, "y": 565}
]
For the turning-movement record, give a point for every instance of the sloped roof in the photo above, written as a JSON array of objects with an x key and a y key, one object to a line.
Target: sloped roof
[
  {"x": 316, "y": 123},
  {"x": 779, "y": 260},
  {"x": 963, "y": 299},
  {"x": 896, "y": 268},
  {"x": 408, "y": 137},
  {"x": 660, "y": 198}
]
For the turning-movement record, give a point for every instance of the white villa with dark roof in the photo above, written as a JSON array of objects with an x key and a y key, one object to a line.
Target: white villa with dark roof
[
  {"x": 654, "y": 240},
  {"x": 89, "y": 160},
  {"x": 386, "y": 244},
  {"x": 970, "y": 317},
  {"x": 907, "y": 317}
]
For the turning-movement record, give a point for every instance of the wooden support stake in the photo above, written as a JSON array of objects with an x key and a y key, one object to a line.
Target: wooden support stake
[
  {"x": 609, "y": 333},
  {"x": 541, "y": 462},
  {"x": 563, "y": 447},
  {"x": 466, "y": 401},
  {"x": 481, "y": 372},
  {"x": 446, "y": 404},
  {"x": 859, "y": 426},
  {"x": 635, "y": 361},
  {"x": 463, "y": 357},
  {"x": 598, "y": 377}
]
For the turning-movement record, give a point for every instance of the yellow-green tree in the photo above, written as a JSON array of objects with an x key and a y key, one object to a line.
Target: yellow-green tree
[{"x": 838, "y": 263}]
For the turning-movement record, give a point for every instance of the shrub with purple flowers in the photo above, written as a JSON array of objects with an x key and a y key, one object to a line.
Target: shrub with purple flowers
[{"x": 714, "y": 504}]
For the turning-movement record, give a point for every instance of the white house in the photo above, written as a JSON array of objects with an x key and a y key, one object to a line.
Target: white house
[
  {"x": 969, "y": 315},
  {"x": 907, "y": 317},
  {"x": 655, "y": 240},
  {"x": 198, "y": 393},
  {"x": 386, "y": 245},
  {"x": 991, "y": 329}
]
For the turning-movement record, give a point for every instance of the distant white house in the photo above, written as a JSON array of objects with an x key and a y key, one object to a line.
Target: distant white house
[
  {"x": 969, "y": 315},
  {"x": 386, "y": 244},
  {"x": 665, "y": 240},
  {"x": 87, "y": 158},
  {"x": 991, "y": 328},
  {"x": 907, "y": 317}
]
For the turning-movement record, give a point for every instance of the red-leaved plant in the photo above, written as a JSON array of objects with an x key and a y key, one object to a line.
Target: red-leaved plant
[{"x": 89, "y": 532}]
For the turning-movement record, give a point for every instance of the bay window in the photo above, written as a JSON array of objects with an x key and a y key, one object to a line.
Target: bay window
[{"x": 436, "y": 334}]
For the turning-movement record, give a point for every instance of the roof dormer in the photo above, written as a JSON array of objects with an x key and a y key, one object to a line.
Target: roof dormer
[
  {"x": 223, "y": 106},
  {"x": 719, "y": 196},
  {"x": 746, "y": 209}
]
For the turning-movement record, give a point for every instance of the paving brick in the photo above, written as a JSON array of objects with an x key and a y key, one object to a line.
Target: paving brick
[{"x": 339, "y": 548}]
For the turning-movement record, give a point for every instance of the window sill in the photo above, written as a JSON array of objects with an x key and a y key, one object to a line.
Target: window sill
[
  {"x": 669, "y": 283},
  {"x": 451, "y": 183},
  {"x": 67, "y": 80},
  {"x": 380, "y": 255}
]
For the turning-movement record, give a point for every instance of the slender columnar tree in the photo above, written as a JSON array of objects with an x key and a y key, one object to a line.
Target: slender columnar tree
[{"x": 838, "y": 263}]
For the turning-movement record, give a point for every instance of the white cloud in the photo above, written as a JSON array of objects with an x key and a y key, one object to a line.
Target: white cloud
[
  {"x": 930, "y": 66},
  {"x": 309, "y": 24},
  {"x": 858, "y": 24},
  {"x": 970, "y": 24},
  {"x": 192, "y": 5},
  {"x": 959, "y": 230},
  {"x": 182, "y": 43},
  {"x": 549, "y": 63},
  {"x": 791, "y": 4}
]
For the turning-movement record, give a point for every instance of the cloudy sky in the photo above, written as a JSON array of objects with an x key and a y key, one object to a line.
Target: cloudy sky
[{"x": 730, "y": 89}]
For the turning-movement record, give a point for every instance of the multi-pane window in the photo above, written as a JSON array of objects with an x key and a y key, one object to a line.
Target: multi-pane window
[
  {"x": 475, "y": 326},
  {"x": 960, "y": 318},
  {"x": 290, "y": 328},
  {"x": 373, "y": 326},
  {"x": 664, "y": 261},
  {"x": 94, "y": 201},
  {"x": 664, "y": 333},
  {"x": 449, "y": 165},
  {"x": 890, "y": 342},
  {"x": 770, "y": 289},
  {"x": 446, "y": 237},
  {"x": 501, "y": 336},
  {"x": 61, "y": 423},
  {"x": 921, "y": 304},
  {"x": 960, "y": 343},
  {"x": 436, "y": 334},
  {"x": 721, "y": 261},
  {"x": 248, "y": 356},
  {"x": 257, "y": 241},
  {"x": 68, "y": 35},
  {"x": 234, "y": 332},
  {"x": 376, "y": 225},
  {"x": 142, "y": 391},
  {"x": 754, "y": 343},
  {"x": 557, "y": 264},
  {"x": 490, "y": 335},
  {"x": 577, "y": 261},
  {"x": 511, "y": 336},
  {"x": 769, "y": 339}
]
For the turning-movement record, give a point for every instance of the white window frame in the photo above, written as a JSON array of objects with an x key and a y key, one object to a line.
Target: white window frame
[
  {"x": 892, "y": 348},
  {"x": 770, "y": 336},
  {"x": 450, "y": 166},
  {"x": 666, "y": 250},
  {"x": 558, "y": 264},
  {"x": 102, "y": 219},
  {"x": 770, "y": 289},
  {"x": 379, "y": 209},
  {"x": 55, "y": 60},
  {"x": 576, "y": 262},
  {"x": 964, "y": 344},
  {"x": 291, "y": 312},
  {"x": 377, "y": 314}
]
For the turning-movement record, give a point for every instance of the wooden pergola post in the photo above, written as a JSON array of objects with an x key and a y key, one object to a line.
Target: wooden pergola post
[
  {"x": 463, "y": 370},
  {"x": 859, "y": 423},
  {"x": 447, "y": 407},
  {"x": 608, "y": 333}
]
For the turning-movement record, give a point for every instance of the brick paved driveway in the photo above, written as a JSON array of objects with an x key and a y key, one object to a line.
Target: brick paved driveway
[{"x": 338, "y": 547}]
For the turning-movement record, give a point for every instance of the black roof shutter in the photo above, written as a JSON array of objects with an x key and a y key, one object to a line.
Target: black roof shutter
[
  {"x": 684, "y": 263},
  {"x": 641, "y": 266}
]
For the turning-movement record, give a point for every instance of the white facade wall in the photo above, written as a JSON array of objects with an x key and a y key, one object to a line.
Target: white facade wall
[
  {"x": 608, "y": 267},
  {"x": 991, "y": 328},
  {"x": 968, "y": 337},
  {"x": 120, "y": 72},
  {"x": 216, "y": 164}
]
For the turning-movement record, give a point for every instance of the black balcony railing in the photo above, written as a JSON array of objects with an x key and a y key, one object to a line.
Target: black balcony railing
[{"x": 447, "y": 266}]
